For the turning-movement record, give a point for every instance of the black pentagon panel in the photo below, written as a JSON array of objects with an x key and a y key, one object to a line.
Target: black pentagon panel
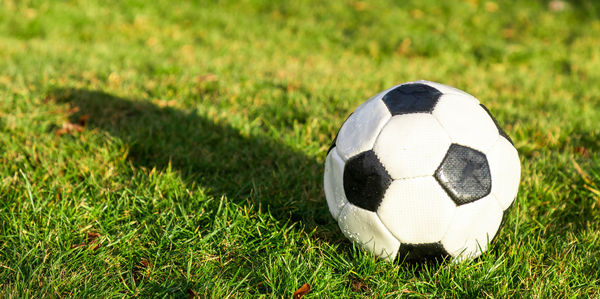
[
  {"x": 500, "y": 131},
  {"x": 464, "y": 174},
  {"x": 411, "y": 98},
  {"x": 422, "y": 252},
  {"x": 365, "y": 180}
]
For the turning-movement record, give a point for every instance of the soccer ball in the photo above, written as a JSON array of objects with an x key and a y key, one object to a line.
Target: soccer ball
[{"x": 421, "y": 171}]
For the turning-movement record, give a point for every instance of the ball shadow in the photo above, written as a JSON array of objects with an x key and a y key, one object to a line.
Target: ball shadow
[{"x": 207, "y": 153}]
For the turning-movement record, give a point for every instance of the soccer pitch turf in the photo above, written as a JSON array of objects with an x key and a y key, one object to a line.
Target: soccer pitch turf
[{"x": 174, "y": 149}]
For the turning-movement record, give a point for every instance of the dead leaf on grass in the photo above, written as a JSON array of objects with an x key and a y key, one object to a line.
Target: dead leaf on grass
[
  {"x": 407, "y": 291},
  {"x": 68, "y": 128},
  {"x": 47, "y": 99},
  {"x": 73, "y": 110},
  {"x": 303, "y": 290},
  {"x": 83, "y": 119},
  {"x": 91, "y": 239},
  {"x": 582, "y": 151},
  {"x": 359, "y": 286},
  {"x": 145, "y": 263}
]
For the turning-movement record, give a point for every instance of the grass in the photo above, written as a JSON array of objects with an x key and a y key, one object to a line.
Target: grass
[{"x": 175, "y": 149}]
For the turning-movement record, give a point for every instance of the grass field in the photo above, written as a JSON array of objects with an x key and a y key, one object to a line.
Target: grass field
[{"x": 175, "y": 149}]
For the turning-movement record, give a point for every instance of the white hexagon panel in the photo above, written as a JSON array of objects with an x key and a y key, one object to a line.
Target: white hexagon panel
[
  {"x": 466, "y": 123},
  {"x": 505, "y": 169},
  {"x": 333, "y": 183},
  {"x": 416, "y": 210},
  {"x": 473, "y": 227},
  {"x": 365, "y": 228},
  {"x": 411, "y": 145},
  {"x": 360, "y": 130}
]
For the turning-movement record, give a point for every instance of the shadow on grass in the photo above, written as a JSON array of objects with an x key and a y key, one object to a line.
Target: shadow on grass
[{"x": 213, "y": 155}]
